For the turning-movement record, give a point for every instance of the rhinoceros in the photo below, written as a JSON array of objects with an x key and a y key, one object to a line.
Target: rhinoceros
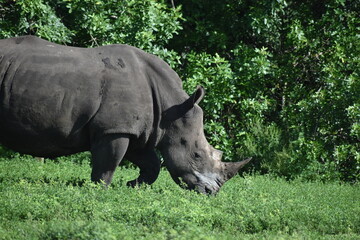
[{"x": 115, "y": 101}]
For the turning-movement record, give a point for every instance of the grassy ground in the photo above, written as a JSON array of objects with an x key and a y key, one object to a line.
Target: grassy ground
[{"x": 55, "y": 200}]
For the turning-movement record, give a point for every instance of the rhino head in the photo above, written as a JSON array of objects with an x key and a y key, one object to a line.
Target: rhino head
[{"x": 192, "y": 162}]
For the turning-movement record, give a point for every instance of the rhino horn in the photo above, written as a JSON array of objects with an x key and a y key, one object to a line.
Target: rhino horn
[{"x": 231, "y": 168}]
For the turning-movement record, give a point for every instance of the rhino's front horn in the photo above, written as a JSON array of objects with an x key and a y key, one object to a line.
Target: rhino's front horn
[{"x": 231, "y": 168}]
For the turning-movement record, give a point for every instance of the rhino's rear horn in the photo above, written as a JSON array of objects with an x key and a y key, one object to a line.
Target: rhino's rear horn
[{"x": 231, "y": 168}]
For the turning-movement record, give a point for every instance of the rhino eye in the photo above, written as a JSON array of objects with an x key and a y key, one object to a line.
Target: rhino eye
[{"x": 197, "y": 155}]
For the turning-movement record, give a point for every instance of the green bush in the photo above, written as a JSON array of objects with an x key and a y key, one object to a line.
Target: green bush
[
  {"x": 294, "y": 66},
  {"x": 23, "y": 17}
]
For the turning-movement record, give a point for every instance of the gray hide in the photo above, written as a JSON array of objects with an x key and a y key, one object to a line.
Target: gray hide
[{"x": 115, "y": 101}]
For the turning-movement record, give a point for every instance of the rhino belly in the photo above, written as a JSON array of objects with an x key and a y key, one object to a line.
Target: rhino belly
[{"x": 43, "y": 145}]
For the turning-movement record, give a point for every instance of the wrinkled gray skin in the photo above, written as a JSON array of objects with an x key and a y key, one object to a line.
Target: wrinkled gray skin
[{"x": 116, "y": 101}]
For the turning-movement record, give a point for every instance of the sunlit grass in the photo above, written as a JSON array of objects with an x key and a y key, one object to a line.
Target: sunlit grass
[{"x": 55, "y": 200}]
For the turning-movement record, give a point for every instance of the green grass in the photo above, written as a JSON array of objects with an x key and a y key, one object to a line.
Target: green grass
[{"x": 55, "y": 200}]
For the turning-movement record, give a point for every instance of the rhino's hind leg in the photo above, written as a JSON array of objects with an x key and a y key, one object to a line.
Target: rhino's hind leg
[
  {"x": 149, "y": 165},
  {"x": 107, "y": 153}
]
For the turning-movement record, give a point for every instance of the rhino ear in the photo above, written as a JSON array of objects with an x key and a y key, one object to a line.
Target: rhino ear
[
  {"x": 198, "y": 95},
  {"x": 178, "y": 111},
  {"x": 195, "y": 98}
]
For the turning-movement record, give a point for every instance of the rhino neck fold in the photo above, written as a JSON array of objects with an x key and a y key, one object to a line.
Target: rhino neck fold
[
  {"x": 162, "y": 105},
  {"x": 157, "y": 133},
  {"x": 166, "y": 90}
]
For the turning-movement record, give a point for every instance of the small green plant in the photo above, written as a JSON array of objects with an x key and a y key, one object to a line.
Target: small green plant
[{"x": 55, "y": 200}]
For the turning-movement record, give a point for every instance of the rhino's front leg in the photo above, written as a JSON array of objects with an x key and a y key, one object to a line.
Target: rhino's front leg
[
  {"x": 107, "y": 154},
  {"x": 149, "y": 165}
]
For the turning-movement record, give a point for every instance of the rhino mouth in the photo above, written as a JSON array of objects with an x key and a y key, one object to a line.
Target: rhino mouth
[
  {"x": 200, "y": 188},
  {"x": 208, "y": 184},
  {"x": 207, "y": 190}
]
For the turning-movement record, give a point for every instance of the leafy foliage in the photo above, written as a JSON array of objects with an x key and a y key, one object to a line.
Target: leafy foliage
[
  {"x": 282, "y": 76},
  {"x": 55, "y": 200},
  {"x": 32, "y": 17},
  {"x": 294, "y": 70}
]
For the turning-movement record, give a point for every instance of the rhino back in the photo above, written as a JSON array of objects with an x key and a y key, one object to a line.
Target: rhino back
[
  {"x": 48, "y": 95},
  {"x": 55, "y": 100}
]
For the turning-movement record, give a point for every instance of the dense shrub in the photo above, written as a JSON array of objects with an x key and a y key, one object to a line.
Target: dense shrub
[
  {"x": 32, "y": 17},
  {"x": 292, "y": 74}
]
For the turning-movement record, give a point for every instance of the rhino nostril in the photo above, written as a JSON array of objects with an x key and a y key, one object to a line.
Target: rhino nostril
[{"x": 208, "y": 191}]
